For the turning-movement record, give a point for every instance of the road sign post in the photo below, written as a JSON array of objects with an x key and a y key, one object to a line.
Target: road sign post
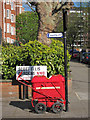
[{"x": 65, "y": 57}]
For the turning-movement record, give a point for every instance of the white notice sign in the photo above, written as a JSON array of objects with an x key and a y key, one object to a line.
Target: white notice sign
[{"x": 28, "y": 72}]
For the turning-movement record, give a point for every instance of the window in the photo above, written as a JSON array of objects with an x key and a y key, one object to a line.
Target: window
[
  {"x": 7, "y": 1},
  {"x": 20, "y": 10},
  {"x": 20, "y": 2},
  {"x": 12, "y": 18},
  {"x": 4, "y": 28},
  {"x": 8, "y": 26},
  {"x": 12, "y": 6},
  {"x": 8, "y": 40},
  {"x": 4, "y": 13},
  {"x": 8, "y": 13},
  {"x": 12, "y": 30},
  {"x": 12, "y": 40}
]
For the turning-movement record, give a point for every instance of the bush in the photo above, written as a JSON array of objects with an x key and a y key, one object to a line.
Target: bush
[{"x": 34, "y": 53}]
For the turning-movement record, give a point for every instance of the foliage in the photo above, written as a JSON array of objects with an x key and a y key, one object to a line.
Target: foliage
[
  {"x": 34, "y": 53},
  {"x": 59, "y": 28},
  {"x": 73, "y": 30},
  {"x": 11, "y": 56},
  {"x": 27, "y": 26}
]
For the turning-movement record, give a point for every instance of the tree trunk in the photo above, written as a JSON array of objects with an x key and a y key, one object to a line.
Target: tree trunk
[
  {"x": 49, "y": 16},
  {"x": 47, "y": 21}
]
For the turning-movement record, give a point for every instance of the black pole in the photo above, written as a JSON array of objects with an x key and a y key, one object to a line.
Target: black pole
[
  {"x": 24, "y": 92},
  {"x": 80, "y": 24},
  {"x": 27, "y": 92},
  {"x": 65, "y": 56},
  {"x": 20, "y": 92},
  {"x": 24, "y": 89}
]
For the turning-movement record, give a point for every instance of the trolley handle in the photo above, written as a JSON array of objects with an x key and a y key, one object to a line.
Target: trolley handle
[
  {"x": 20, "y": 74},
  {"x": 21, "y": 78}
]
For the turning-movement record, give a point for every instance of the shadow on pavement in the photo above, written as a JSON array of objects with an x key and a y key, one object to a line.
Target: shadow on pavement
[
  {"x": 27, "y": 105},
  {"x": 74, "y": 60},
  {"x": 23, "y": 105}
]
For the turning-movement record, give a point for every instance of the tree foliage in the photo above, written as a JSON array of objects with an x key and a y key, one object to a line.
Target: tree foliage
[
  {"x": 72, "y": 31},
  {"x": 27, "y": 26},
  {"x": 78, "y": 25}
]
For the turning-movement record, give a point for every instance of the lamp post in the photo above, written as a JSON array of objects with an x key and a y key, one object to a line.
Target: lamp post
[{"x": 65, "y": 56}]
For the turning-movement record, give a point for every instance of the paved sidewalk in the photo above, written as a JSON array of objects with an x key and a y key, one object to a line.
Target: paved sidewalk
[
  {"x": 78, "y": 107},
  {"x": 15, "y": 108}
]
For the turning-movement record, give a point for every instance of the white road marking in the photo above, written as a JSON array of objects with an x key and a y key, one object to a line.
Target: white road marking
[
  {"x": 82, "y": 96},
  {"x": 77, "y": 96}
]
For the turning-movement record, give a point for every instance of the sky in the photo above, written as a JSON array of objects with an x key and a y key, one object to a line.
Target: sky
[
  {"x": 62, "y": 0},
  {"x": 27, "y": 8},
  {"x": 24, "y": 0}
]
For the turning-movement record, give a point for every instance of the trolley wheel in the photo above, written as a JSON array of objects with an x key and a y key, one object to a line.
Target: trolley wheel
[
  {"x": 57, "y": 107},
  {"x": 40, "y": 108}
]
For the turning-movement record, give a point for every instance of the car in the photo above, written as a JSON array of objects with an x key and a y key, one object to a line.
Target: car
[
  {"x": 86, "y": 57},
  {"x": 82, "y": 54},
  {"x": 70, "y": 51},
  {"x": 75, "y": 54}
]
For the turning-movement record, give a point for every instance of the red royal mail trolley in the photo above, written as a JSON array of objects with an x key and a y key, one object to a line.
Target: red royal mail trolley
[{"x": 50, "y": 93}]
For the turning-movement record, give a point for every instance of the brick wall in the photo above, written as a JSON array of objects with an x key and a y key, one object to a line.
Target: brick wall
[
  {"x": 15, "y": 9},
  {"x": 9, "y": 90},
  {"x": 0, "y": 14},
  {"x": 0, "y": 21}
]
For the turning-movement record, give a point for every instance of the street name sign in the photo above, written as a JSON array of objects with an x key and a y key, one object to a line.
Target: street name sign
[
  {"x": 55, "y": 35},
  {"x": 28, "y": 72}
]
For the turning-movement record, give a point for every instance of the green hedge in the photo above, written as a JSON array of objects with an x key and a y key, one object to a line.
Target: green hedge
[{"x": 34, "y": 53}]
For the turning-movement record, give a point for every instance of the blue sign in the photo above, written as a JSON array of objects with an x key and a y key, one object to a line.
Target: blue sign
[{"x": 55, "y": 35}]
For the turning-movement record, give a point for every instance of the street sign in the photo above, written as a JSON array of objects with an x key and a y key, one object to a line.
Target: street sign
[
  {"x": 55, "y": 35},
  {"x": 30, "y": 71}
]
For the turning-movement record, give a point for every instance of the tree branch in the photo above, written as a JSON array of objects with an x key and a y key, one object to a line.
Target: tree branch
[
  {"x": 61, "y": 5},
  {"x": 30, "y": 6},
  {"x": 56, "y": 10}
]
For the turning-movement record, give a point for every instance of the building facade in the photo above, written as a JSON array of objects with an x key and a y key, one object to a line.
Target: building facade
[
  {"x": 8, "y": 11},
  {"x": 82, "y": 25}
]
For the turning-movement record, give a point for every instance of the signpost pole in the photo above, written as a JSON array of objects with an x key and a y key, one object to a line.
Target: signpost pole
[
  {"x": 65, "y": 57},
  {"x": 19, "y": 91},
  {"x": 27, "y": 92},
  {"x": 24, "y": 91}
]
